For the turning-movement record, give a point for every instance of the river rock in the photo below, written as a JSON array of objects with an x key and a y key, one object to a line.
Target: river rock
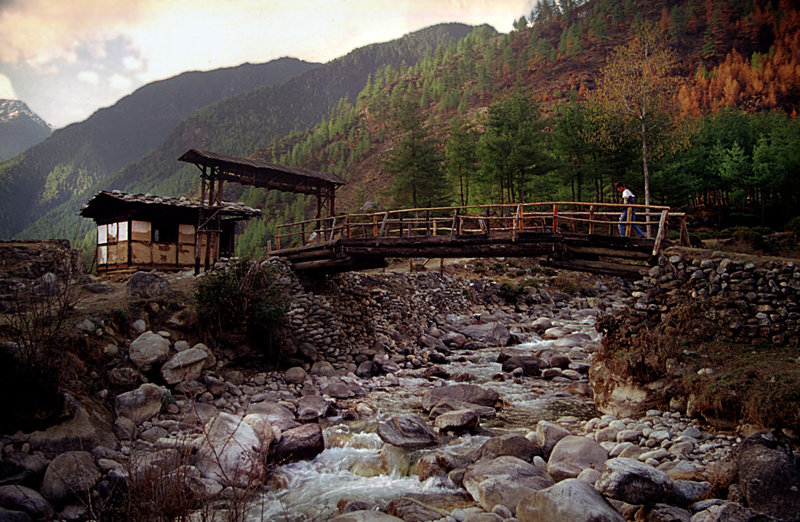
[
  {"x": 141, "y": 404},
  {"x": 547, "y": 435},
  {"x": 70, "y": 475},
  {"x": 409, "y": 509},
  {"x": 89, "y": 426},
  {"x": 184, "y": 366},
  {"x": 572, "y": 454},
  {"x": 727, "y": 512},
  {"x": 395, "y": 461},
  {"x": 323, "y": 369},
  {"x": 277, "y": 416},
  {"x": 769, "y": 476},
  {"x": 148, "y": 349},
  {"x": 366, "y": 516},
  {"x": 491, "y": 333},
  {"x": 457, "y": 420},
  {"x": 634, "y": 482},
  {"x": 312, "y": 407},
  {"x": 302, "y": 442},
  {"x": 555, "y": 332},
  {"x": 469, "y": 393},
  {"x": 262, "y": 428},
  {"x": 668, "y": 513},
  {"x": 407, "y": 431},
  {"x": 146, "y": 285},
  {"x": 447, "y": 404},
  {"x": 295, "y": 375},
  {"x": 570, "y": 499},
  {"x": 504, "y": 480},
  {"x": 24, "y": 500},
  {"x": 229, "y": 452},
  {"x": 530, "y": 364},
  {"x": 511, "y": 444}
]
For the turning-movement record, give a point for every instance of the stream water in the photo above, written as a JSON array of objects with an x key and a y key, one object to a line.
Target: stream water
[{"x": 350, "y": 466}]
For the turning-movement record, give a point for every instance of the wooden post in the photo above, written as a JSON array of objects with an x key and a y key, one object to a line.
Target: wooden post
[
  {"x": 383, "y": 227},
  {"x": 555, "y": 217},
  {"x": 629, "y": 213},
  {"x": 374, "y": 225},
  {"x": 410, "y": 265},
  {"x": 662, "y": 232},
  {"x": 441, "y": 265},
  {"x": 591, "y": 219},
  {"x": 455, "y": 224},
  {"x": 427, "y": 223},
  {"x": 197, "y": 242}
]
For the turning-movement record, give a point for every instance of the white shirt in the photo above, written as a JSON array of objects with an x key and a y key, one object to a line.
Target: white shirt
[{"x": 626, "y": 195}]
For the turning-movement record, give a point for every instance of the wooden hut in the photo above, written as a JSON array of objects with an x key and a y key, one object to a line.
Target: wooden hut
[{"x": 146, "y": 231}]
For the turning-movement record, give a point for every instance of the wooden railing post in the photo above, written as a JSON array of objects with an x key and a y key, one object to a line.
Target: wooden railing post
[
  {"x": 515, "y": 223},
  {"x": 383, "y": 227},
  {"x": 662, "y": 231},
  {"x": 628, "y": 216},
  {"x": 374, "y": 225},
  {"x": 455, "y": 224},
  {"x": 591, "y": 219},
  {"x": 555, "y": 217}
]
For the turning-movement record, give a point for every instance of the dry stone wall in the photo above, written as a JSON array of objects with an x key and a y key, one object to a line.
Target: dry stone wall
[
  {"x": 355, "y": 314},
  {"x": 754, "y": 301}
]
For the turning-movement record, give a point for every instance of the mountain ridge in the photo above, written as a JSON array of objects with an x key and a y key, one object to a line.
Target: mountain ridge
[{"x": 20, "y": 128}]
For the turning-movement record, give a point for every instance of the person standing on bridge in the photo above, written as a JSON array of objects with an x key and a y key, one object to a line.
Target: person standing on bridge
[{"x": 628, "y": 213}]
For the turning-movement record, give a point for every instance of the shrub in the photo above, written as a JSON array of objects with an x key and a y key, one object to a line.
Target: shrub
[
  {"x": 510, "y": 292},
  {"x": 32, "y": 361},
  {"x": 793, "y": 226},
  {"x": 245, "y": 295}
]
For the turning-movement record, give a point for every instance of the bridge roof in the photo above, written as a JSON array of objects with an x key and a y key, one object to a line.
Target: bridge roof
[{"x": 262, "y": 173}]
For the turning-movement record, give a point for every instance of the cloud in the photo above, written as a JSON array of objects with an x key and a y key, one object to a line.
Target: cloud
[
  {"x": 120, "y": 83},
  {"x": 90, "y": 77},
  {"x": 6, "y": 89}
]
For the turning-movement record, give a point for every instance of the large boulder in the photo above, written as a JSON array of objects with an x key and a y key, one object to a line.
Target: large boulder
[
  {"x": 512, "y": 444},
  {"x": 407, "y": 431},
  {"x": 457, "y": 420},
  {"x": 410, "y": 509},
  {"x": 312, "y": 407},
  {"x": 619, "y": 395},
  {"x": 548, "y": 434},
  {"x": 146, "y": 285},
  {"x": 69, "y": 476},
  {"x": 148, "y": 349},
  {"x": 25, "y": 500},
  {"x": 634, "y": 482},
  {"x": 184, "y": 366},
  {"x": 302, "y": 442},
  {"x": 769, "y": 477},
  {"x": 492, "y": 333},
  {"x": 505, "y": 480},
  {"x": 570, "y": 499},
  {"x": 465, "y": 393},
  {"x": 230, "y": 452},
  {"x": 90, "y": 425},
  {"x": 572, "y": 454},
  {"x": 141, "y": 404}
]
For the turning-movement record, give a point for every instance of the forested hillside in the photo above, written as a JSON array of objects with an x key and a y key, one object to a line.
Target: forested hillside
[
  {"x": 241, "y": 124},
  {"x": 75, "y": 158},
  {"x": 539, "y": 114}
]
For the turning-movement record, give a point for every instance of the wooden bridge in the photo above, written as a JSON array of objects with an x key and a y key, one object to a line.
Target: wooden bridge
[{"x": 575, "y": 235}]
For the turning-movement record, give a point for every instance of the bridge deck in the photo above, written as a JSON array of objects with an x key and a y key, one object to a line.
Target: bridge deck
[{"x": 574, "y": 235}]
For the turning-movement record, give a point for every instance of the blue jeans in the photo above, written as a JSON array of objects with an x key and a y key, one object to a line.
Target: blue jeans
[{"x": 623, "y": 219}]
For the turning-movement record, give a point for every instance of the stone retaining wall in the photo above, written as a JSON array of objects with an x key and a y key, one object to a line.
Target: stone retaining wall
[
  {"x": 346, "y": 315},
  {"x": 755, "y": 301}
]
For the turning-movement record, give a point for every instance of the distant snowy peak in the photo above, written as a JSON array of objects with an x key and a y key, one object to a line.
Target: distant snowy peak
[{"x": 13, "y": 109}]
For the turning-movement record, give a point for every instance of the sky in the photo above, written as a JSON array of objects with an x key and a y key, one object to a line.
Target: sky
[{"x": 67, "y": 58}]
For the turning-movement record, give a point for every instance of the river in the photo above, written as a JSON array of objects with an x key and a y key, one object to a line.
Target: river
[{"x": 350, "y": 467}]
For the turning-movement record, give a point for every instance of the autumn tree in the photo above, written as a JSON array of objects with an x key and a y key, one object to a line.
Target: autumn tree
[{"x": 635, "y": 88}]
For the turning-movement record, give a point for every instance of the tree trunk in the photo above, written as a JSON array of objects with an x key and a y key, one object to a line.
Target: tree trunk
[{"x": 646, "y": 173}]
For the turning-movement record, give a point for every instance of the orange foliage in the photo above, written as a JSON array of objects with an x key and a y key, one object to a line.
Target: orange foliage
[{"x": 759, "y": 82}]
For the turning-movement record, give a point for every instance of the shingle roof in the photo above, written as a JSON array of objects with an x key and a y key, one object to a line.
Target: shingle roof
[
  {"x": 232, "y": 209},
  {"x": 262, "y": 173}
]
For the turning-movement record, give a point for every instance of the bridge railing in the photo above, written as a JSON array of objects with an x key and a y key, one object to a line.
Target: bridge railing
[{"x": 489, "y": 220}]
